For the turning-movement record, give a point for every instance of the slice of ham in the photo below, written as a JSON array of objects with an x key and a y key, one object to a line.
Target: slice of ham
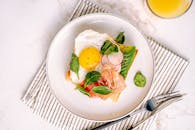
[
  {"x": 114, "y": 80},
  {"x": 118, "y": 67}
]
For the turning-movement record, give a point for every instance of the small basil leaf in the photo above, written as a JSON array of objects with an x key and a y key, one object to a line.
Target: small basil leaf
[
  {"x": 115, "y": 49},
  {"x": 120, "y": 38},
  {"x": 91, "y": 77},
  {"x": 82, "y": 90},
  {"x": 104, "y": 90},
  {"x": 139, "y": 79},
  {"x": 74, "y": 64},
  {"x": 107, "y": 48}
]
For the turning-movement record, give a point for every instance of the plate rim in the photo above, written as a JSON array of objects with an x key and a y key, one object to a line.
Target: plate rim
[{"x": 91, "y": 15}]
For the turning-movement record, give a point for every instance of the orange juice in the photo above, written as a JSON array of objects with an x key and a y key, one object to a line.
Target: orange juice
[{"x": 168, "y": 8}]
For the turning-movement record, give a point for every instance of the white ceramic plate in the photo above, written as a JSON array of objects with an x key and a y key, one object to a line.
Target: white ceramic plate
[{"x": 58, "y": 64}]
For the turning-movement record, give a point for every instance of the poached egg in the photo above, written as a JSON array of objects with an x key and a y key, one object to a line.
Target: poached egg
[{"x": 87, "y": 48}]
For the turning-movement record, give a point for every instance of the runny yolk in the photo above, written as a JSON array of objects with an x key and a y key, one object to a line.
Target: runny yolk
[{"x": 89, "y": 58}]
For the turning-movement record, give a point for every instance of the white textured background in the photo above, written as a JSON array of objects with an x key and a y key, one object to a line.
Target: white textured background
[{"x": 28, "y": 26}]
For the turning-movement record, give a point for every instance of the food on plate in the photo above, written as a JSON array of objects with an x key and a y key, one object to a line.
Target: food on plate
[
  {"x": 139, "y": 79},
  {"x": 74, "y": 64},
  {"x": 129, "y": 53},
  {"x": 120, "y": 38},
  {"x": 99, "y": 64}
]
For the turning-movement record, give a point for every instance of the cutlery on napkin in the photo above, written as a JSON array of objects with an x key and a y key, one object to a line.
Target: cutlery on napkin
[{"x": 154, "y": 105}]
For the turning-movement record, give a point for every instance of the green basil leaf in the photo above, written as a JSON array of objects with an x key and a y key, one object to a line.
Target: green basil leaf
[
  {"x": 139, "y": 79},
  {"x": 107, "y": 48},
  {"x": 120, "y": 38},
  {"x": 104, "y": 90},
  {"x": 91, "y": 77},
  {"x": 74, "y": 64},
  {"x": 115, "y": 49},
  {"x": 128, "y": 57},
  {"x": 82, "y": 90}
]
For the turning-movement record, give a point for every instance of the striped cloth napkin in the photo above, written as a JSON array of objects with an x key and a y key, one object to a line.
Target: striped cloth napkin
[{"x": 169, "y": 68}]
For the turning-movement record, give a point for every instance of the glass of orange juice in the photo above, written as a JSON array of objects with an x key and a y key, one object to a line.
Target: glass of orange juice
[{"x": 169, "y": 8}]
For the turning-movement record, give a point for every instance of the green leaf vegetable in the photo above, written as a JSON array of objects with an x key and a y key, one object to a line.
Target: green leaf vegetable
[
  {"x": 139, "y": 79},
  {"x": 82, "y": 90},
  {"x": 120, "y": 38},
  {"x": 91, "y": 77},
  {"x": 74, "y": 64},
  {"x": 104, "y": 90},
  {"x": 107, "y": 48},
  {"x": 129, "y": 53}
]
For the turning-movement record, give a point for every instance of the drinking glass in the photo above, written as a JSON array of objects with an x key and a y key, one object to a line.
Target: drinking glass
[{"x": 168, "y": 8}]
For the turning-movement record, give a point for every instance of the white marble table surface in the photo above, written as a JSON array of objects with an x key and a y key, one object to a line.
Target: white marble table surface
[{"x": 28, "y": 26}]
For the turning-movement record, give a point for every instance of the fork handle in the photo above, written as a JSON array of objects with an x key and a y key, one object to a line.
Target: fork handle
[
  {"x": 116, "y": 121},
  {"x": 110, "y": 123}
]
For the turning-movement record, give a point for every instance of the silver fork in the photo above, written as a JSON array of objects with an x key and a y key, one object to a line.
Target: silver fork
[
  {"x": 158, "y": 109},
  {"x": 151, "y": 105}
]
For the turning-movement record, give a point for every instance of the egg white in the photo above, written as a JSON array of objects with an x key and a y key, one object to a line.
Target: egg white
[{"x": 89, "y": 38}]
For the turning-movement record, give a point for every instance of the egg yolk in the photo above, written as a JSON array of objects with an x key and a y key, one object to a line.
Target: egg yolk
[{"x": 89, "y": 58}]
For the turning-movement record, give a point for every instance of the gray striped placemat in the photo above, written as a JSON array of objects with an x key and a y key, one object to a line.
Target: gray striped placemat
[{"x": 169, "y": 68}]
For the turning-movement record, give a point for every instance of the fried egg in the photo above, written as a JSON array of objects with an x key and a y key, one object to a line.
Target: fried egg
[{"x": 87, "y": 48}]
